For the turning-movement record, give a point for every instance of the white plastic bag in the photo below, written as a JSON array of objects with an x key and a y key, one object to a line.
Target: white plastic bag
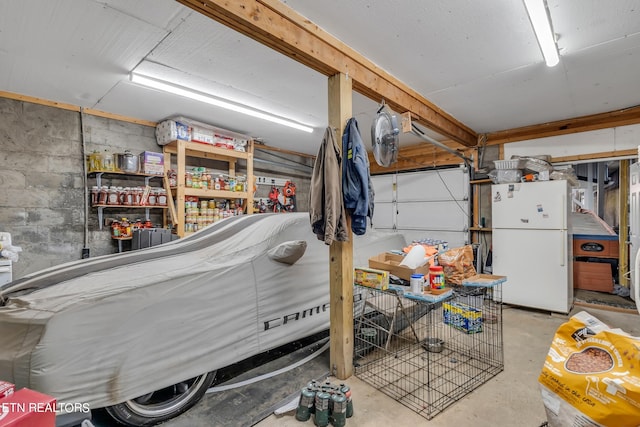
[{"x": 10, "y": 252}]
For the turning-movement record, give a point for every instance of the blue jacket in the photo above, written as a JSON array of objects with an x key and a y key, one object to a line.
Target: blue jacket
[{"x": 357, "y": 188}]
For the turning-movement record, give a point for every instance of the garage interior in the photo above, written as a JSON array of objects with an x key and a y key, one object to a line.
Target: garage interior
[{"x": 479, "y": 114}]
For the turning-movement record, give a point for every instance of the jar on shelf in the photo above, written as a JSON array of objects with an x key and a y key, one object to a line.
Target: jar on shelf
[
  {"x": 130, "y": 162},
  {"x": 103, "y": 197},
  {"x": 120, "y": 195},
  {"x": 95, "y": 195},
  {"x": 153, "y": 197},
  {"x": 95, "y": 161},
  {"x": 137, "y": 195},
  {"x": 115, "y": 229},
  {"x": 188, "y": 179},
  {"x": 107, "y": 161},
  {"x": 195, "y": 180},
  {"x": 113, "y": 196},
  {"x": 173, "y": 178},
  {"x": 128, "y": 196},
  {"x": 205, "y": 179},
  {"x": 125, "y": 228},
  {"x": 162, "y": 197}
]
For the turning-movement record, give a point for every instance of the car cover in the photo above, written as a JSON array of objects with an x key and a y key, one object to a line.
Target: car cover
[{"x": 108, "y": 329}]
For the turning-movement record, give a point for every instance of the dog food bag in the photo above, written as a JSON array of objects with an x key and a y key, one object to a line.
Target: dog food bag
[{"x": 591, "y": 376}]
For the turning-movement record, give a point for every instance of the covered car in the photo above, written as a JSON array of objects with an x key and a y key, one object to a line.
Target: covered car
[{"x": 112, "y": 331}]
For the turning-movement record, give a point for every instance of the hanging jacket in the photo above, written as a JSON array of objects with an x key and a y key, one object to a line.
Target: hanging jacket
[
  {"x": 326, "y": 206},
  {"x": 356, "y": 180}
]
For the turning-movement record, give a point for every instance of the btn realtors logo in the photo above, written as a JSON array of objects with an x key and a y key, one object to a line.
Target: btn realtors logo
[{"x": 7, "y": 408}]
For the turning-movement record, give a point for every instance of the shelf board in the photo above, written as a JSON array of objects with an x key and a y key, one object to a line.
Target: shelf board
[
  {"x": 213, "y": 194},
  {"x": 197, "y": 149},
  {"x": 481, "y": 181},
  {"x": 481, "y": 229},
  {"x": 130, "y": 206},
  {"x": 148, "y": 175}
]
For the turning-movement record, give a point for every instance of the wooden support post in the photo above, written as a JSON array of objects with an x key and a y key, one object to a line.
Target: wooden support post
[
  {"x": 341, "y": 253},
  {"x": 623, "y": 233}
]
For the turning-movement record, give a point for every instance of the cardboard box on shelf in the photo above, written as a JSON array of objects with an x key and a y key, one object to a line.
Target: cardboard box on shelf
[
  {"x": 371, "y": 278},
  {"x": 152, "y": 163},
  {"x": 391, "y": 262}
]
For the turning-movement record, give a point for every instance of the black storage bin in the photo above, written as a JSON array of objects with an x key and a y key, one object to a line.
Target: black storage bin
[{"x": 147, "y": 237}]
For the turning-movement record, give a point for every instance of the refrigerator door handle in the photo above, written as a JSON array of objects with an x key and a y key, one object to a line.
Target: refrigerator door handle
[
  {"x": 564, "y": 211},
  {"x": 563, "y": 252}
]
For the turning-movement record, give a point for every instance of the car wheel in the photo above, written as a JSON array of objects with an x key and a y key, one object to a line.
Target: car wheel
[{"x": 161, "y": 405}]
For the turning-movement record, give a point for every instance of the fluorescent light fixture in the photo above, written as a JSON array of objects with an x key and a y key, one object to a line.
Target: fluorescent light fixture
[
  {"x": 212, "y": 100},
  {"x": 537, "y": 10}
]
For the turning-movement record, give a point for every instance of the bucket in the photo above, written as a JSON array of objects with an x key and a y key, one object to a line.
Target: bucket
[
  {"x": 129, "y": 162},
  {"x": 436, "y": 277}
]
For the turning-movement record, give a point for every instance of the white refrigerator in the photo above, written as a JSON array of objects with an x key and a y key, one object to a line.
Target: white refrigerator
[{"x": 532, "y": 244}]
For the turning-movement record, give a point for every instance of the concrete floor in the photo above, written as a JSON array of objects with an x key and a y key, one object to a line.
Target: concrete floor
[{"x": 512, "y": 398}]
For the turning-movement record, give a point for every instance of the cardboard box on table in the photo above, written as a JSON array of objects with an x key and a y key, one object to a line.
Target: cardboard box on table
[
  {"x": 391, "y": 262},
  {"x": 371, "y": 278}
]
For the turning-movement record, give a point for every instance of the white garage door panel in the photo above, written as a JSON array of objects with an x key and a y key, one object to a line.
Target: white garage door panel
[
  {"x": 383, "y": 215},
  {"x": 432, "y": 215},
  {"x": 383, "y": 186},
  {"x": 444, "y": 184},
  {"x": 430, "y": 204}
]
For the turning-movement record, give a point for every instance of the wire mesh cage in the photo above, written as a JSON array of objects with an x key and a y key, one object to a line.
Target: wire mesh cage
[{"x": 428, "y": 355}]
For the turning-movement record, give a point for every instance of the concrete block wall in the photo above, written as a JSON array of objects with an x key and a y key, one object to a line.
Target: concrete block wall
[
  {"x": 41, "y": 183},
  {"x": 43, "y": 188}
]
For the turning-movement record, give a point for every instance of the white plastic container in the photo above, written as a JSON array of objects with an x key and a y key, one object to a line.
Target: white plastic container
[{"x": 416, "y": 283}]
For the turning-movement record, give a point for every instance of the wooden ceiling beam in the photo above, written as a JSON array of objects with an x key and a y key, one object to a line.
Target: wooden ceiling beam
[
  {"x": 279, "y": 27},
  {"x": 421, "y": 156},
  {"x": 624, "y": 117}
]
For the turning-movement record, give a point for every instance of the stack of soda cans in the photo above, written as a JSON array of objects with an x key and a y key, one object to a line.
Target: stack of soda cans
[{"x": 327, "y": 402}]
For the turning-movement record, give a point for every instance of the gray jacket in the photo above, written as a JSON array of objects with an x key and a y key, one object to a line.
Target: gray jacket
[{"x": 326, "y": 209}]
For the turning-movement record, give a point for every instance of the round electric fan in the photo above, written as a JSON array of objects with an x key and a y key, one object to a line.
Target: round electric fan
[{"x": 384, "y": 138}]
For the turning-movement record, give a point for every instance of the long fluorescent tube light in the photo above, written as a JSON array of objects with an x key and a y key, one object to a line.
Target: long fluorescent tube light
[
  {"x": 541, "y": 22},
  {"x": 209, "y": 99}
]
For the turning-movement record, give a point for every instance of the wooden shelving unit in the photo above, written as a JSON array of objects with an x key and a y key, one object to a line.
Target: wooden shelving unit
[
  {"x": 182, "y": 150},
  {"x": 477, "y": 226},
  {"x": 480, "y": 233}
]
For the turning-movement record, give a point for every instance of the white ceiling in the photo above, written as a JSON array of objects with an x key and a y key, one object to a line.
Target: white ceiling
[{"x": 477, "y": 60}]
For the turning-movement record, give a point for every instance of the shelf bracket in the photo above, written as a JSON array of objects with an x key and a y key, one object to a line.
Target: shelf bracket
[{"x": 100, "y": 216}]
